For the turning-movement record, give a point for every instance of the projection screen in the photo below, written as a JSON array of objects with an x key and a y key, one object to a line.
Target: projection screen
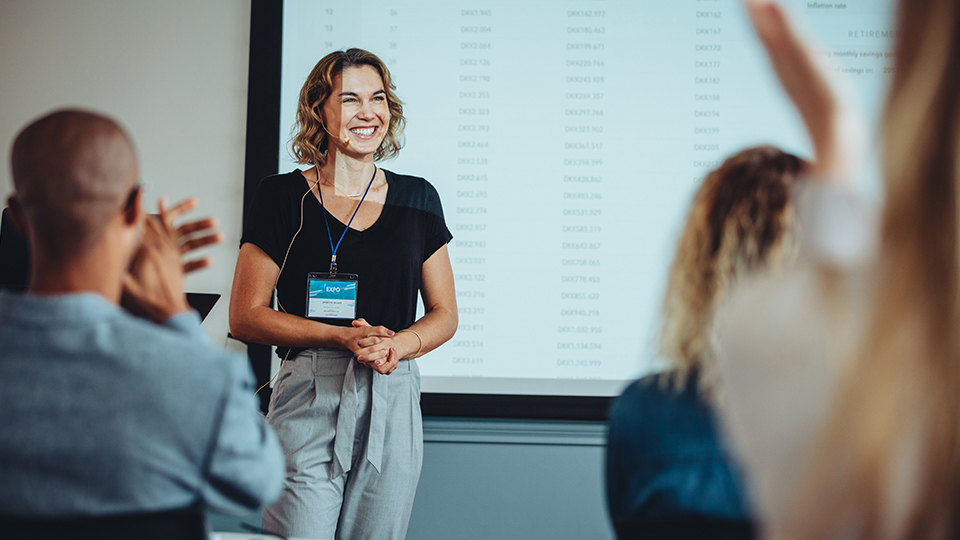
[{"x": 565, "y": 140}]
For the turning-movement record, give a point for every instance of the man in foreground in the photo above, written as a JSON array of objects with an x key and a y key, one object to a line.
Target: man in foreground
[{"x": 104, "y": 412}]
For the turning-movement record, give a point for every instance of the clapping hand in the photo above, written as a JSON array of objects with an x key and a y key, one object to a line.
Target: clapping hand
[
  {"x": 192, "y": 235},
  {"x": 153, "y": 286}
]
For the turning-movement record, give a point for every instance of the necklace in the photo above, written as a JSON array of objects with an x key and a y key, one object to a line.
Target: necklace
[{"x": 358, "y": 194}]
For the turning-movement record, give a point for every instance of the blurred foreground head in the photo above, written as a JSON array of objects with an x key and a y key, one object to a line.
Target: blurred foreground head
[
  {"x": 73, "y": 172},
  {"x": 740, "y": 222},
  {"x": 894, "y": 434}
]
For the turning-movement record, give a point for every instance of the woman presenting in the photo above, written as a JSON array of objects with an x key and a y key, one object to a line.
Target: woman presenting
[{"x": 347, "y": 246}]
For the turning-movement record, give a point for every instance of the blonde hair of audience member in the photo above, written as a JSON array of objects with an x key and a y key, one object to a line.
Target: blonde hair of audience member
[
  {"x": 900, "y": 402},
  {"x": 739, "y": 222},
  {"x": 310, "y": 140}
]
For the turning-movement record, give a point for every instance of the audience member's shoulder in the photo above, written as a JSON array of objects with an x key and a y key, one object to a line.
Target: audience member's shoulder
[
  {"x": 168, "y": 349},
  {"x": 656, "y": 404},
  {"x": 655, "y": 389},
  {"x": 638, "y": 398}
]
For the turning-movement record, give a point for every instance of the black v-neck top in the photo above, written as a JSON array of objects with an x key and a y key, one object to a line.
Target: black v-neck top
[{"x": 388, "y": 257}]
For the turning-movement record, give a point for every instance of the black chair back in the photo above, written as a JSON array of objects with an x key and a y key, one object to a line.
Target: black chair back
[
  {"x": 14, "y": 255},
  {"x": 168, "y": 525},
  {"x": 700, "y": 528}
]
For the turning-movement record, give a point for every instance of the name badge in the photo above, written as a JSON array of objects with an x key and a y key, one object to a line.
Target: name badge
[{"x": 332, "y": 297}]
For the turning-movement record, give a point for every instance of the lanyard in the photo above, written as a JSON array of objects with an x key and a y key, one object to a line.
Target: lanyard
[{"x": 333, "y": 249}]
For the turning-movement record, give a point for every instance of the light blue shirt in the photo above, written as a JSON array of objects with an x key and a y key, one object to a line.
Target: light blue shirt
[{"x": 102, "y": 412}]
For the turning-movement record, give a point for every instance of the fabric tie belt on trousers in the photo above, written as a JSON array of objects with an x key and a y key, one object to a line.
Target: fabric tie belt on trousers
[{"x": 351, "y": 408}]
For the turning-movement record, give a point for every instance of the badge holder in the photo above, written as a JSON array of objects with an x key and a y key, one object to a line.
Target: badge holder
[{"x": 332, "y": 298}]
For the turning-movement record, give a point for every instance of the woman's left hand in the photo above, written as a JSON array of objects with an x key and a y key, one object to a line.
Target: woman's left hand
[{"x": 377, "y": 352}]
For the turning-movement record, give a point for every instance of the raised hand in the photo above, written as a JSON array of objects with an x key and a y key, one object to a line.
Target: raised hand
[{"x": 833, "y": 124}]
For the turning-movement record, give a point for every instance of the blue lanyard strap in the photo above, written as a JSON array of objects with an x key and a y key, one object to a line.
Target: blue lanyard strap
[{"x": 333, "y": 249}]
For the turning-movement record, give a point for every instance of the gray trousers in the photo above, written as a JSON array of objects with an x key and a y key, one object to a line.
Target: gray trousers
[{"x": 353, "y": 439}]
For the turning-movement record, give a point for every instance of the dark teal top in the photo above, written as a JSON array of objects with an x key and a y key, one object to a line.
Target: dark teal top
[{"x": 665, "y": 458}]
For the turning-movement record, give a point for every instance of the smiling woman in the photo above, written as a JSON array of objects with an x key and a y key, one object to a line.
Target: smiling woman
[
  {"x": 347, "y": 246},
  {"x": 310, "y": 142}
]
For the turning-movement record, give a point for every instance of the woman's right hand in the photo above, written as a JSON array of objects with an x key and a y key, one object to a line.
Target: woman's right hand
[{"x": 834, "y": 127}]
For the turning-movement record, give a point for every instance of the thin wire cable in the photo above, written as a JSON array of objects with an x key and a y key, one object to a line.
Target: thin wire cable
[
  {"x": 290, "y": 245},
  {"x": 282, "y": 265}
]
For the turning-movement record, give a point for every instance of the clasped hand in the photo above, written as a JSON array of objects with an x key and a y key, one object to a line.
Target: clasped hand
[{"x": 373, "y": 346}]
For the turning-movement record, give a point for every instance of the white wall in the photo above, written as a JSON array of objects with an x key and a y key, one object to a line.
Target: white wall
[{"x": 173, "y": 72}]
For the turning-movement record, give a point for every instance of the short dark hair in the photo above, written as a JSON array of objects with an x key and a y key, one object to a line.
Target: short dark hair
[{"x": 72, "y": 170}]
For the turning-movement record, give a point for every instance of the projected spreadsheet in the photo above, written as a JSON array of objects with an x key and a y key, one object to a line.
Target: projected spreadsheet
[{"x": 566, "y": 140}]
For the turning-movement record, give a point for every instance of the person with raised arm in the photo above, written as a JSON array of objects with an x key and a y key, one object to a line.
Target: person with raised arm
[{"x": 841, "y": 372}]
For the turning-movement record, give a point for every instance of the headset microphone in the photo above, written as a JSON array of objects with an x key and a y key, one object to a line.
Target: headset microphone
[{"x": 345, "y": 141}]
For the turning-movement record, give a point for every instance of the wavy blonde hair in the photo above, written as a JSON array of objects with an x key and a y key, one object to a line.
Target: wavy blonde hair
[
  {"x": 900, "y": 401},
  {"x": 739, "y": 222},
  {"x": 311, "y": 139}
]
